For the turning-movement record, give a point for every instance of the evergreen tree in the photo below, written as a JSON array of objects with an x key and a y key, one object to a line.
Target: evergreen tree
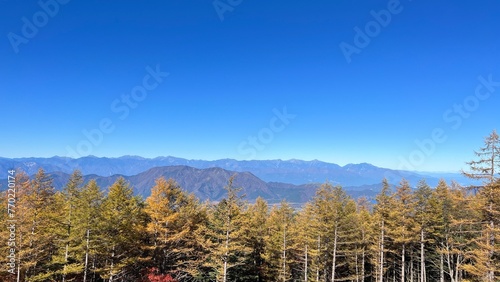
[
  {"x": 364, "y": 239},
  {"x": 486, "y": 169},
  {"x": 38, "y": 221},
  {"x": 449, "y": 261},
  {"x": 401, "y": 231},
  {"x": 174, "y": 216},
  {"x": 67, "y": 202},
  {"x": 222, "y": 237},
  {"x": 383, "y": 215},
  {"x": 89, "y": 227},
  {"x": 305, "y": 249},
  {"x": 254, "y": 228},
  {"x": 466, "y": 226},
  {"x": 279, "y": 243},
  {"x": 426, "y": 216},
  {"x": 122, "y": 231},
  {"x": 336, "y": 214}
]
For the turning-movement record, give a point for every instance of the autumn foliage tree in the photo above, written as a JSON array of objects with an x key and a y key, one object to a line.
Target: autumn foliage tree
[
  {"x": 486, "y": 168},
  {"x": 174, "y": 217},
  {"x": 409, "y": 232}
]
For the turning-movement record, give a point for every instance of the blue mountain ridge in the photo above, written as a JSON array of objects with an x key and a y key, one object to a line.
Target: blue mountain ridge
[{"x": 287, "y": 171}]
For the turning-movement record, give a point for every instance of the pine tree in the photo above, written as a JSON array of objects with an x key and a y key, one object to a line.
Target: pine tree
[
  {"x": 278, "y": 243},
  {"x": 426, "y": 215},
  {"x": 464, "y": 230},
  {"x": 402, "y": 231},
  {"x": 68, "y": 201},
  {"x": 122, "y": 229},
  {"x": 449, "y": 254},
  {"x": 222, "y": 236},
  {"x": 364, "y": 220},
  {"x": 254, "y": 226},
  {"x": 383, "y": 214},
  {"x": 336, "y": 214},
  {"x": 174, "y": 216},
  {"x": 89, "y": 227},
  {"x": 38, "y": 221},
  {"x": 486, "y": 169},
  {"x": 305, "y": 250}
]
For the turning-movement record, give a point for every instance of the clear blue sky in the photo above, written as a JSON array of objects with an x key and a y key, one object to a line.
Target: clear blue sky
[{"x": 228, "y": 78}]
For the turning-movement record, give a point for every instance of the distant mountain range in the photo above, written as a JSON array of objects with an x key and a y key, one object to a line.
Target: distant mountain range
[
  {"x": 273, "y": 180},
  {"x": 209, "y": 183}
]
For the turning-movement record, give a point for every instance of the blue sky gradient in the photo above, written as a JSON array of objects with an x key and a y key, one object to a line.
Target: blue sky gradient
[{"x": 228, "y": 78}]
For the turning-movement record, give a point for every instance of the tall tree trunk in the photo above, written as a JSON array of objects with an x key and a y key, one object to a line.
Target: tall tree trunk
[
  {"x": 112, "y": 264},
  {"x": 363, "y": 264},
  {"x": 317, "y": 266},
  {"x": 491, "y": 243},
  {"x": 93, "y": 268},
  {"x": 381, "y": 267},
  {"x": 422, "y": 256},
  {"x": 449, "y": 259},
  {"x": 363, "y": 255},
  {"x": 403, "y": 263},
  {"x": 412, "y": 263},
  {"x": 441, "y": 267},
  {"x": 394, "y": 271},
  {"x": 356, "y": 264},
  {"x": 65, "y": 262},
  {"x": 305, "y": 265},
  {"x": 66, "y": 252},
  {"x": 85, "y": 268},
  {"x": 334, "y": 266},
  {"x": 224, "y": 273},
  {"x": 284, "y": 253},
  {"x": 491, "y": 232},
  {"x": 457, "y": 270}
]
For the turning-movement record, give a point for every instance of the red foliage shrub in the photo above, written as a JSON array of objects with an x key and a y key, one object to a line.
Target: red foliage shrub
[{"x": 153, "y": 276}]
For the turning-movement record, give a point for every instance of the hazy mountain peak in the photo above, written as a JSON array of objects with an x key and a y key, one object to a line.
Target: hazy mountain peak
[{"x": 293, "y": 171}]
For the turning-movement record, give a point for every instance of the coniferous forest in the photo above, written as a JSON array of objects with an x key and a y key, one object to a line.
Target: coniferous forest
[{"x": 91, "y": 233}]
